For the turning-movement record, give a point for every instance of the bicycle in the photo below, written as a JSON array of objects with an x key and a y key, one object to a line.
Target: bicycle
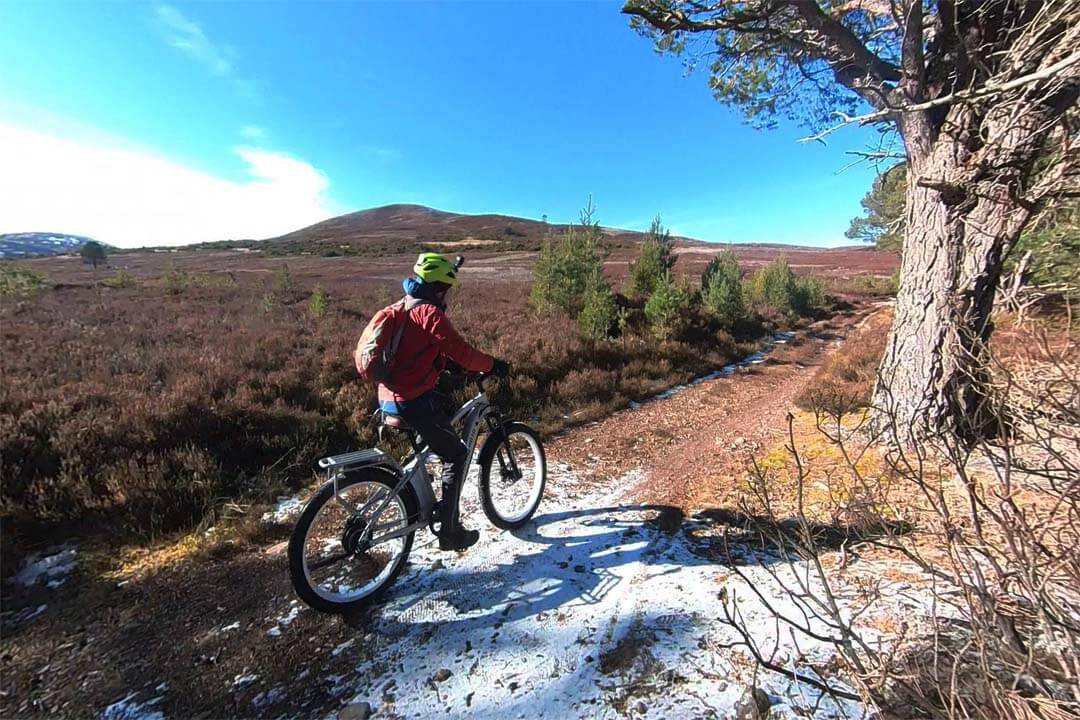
[{"x": 374, "y": 505}]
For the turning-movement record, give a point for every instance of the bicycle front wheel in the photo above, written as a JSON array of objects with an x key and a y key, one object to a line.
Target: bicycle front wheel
[
  {"x": 513, "y": 472},
  {"x": 340, "y": 561}
]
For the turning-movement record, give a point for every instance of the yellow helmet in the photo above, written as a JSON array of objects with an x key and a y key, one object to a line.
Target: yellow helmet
[{"x": 434, "y": 268}]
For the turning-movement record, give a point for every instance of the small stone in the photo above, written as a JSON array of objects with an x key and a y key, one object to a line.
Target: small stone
[
  {"x": 579, "y": 568},
  {"x": 442, "y": 675},
  {"x": 355, "y": 711},
  {"x": 641, "y": 707},
  {"x": 437, "y": 565}
]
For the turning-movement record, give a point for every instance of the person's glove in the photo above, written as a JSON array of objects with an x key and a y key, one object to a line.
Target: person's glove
[{"x": 500, "y": 368}]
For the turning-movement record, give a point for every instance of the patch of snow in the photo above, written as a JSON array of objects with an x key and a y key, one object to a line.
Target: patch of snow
[
  {"x": 285, "y": 620},
  {"x": 242, "y": 680},
  {"x": 232, "y": 626},
  {"x": 294, "y": 610},
  {"x": 531, "y": 623},
  {"x": 285, "y": 511},
  {"x": 53, "y": 565},
  {"x": 756, "y": 358},
  {"x": 128, "y": 709},
  {"x": 25, "y": 615},
  {"x": 342, "y": 647},
  {"x": 269, "y": 697}
]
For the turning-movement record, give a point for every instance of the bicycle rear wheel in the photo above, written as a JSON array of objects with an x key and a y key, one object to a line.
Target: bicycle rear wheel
[
  {"x": 331, "y": 567},
  {"x": 513, "y": 473}
]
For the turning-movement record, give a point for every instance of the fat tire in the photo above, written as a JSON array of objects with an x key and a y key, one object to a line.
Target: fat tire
[
  {"x": 324, "y": 495},
  {"x": 487, "y": 456}
]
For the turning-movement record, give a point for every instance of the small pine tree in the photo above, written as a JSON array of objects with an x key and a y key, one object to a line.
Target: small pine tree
[
  {"x": 667, "y": 309},
  {"x": 774, "y": 286},
  {"x": 809, "y": 295},
  {"x": 599, "y": 311},
  {"x": 722, "y": 290},
  {"x": 656, "y": 257},
  {"x": 19, "y": 280},
  {"x": 566, "y": 265},
  {"x": 283, "y": 285},
  {"x": 93, "y": 252},
  {"x": 122, "y": 279},
  {"x": 175, "y": 280},
  {"x": 777, "y": 286},
  {"x": 319, "y": 302}
]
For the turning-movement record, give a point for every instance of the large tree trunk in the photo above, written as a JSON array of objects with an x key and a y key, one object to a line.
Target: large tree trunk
[{"x": 961, "y": 221}]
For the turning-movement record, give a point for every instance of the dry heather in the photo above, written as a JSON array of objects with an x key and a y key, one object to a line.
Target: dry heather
[
  {"x": 982, "y": 538},
  {"x": 144, "y": 407},
  {"x": 845, "y": 380}
]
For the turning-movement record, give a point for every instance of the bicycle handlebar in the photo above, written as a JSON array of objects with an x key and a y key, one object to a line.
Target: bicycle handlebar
[{"x": 472, "y": 377}]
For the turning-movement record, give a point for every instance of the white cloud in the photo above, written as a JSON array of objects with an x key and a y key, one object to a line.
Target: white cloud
[
  {"x": 133, "y": 197},
  {"x": 188, "y": 36}
]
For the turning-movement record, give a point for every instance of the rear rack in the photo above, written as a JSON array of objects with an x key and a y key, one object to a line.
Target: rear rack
[{"x": 371, "y": 456}]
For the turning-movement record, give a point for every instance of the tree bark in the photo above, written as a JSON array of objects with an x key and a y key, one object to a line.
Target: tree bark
[{"x": 961, "y": 221}]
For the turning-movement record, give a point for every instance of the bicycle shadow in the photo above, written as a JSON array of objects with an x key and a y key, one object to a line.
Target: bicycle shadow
[{"x": 572, "y": 558}]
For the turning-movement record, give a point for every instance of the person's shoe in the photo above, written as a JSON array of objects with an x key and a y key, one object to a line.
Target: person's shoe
[{"x": 458, "y": 539}]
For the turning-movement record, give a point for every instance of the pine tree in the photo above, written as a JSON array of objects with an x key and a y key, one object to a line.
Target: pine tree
[
  {"x": 656, "y": 257},
  {"x": 599, "y": 312},
  {"x": 722, "y": 290},
  {"x": 566, "y": 266},
  {"x": 667, "y": 309}
]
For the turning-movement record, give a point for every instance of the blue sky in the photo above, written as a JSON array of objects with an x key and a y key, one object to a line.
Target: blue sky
[{"x": 155, "y": 123}]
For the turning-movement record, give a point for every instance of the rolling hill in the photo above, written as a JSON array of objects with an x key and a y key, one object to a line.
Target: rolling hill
[
  {"x": 36, "y": 244},
  {"x": 394, "y": 228}
]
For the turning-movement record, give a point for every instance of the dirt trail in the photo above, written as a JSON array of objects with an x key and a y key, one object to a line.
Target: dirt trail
[
  {"x": 605, "y": 606},
  {"x": 690, "y": 444}
]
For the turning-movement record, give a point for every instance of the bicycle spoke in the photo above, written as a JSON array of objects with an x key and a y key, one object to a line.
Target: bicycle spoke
[
  {"x": 341, "y": 562},
  {"x": 327, "y": 562},
  {"x": 516, "y": 477}
]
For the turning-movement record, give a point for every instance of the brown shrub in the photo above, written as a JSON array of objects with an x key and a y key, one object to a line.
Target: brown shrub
[{"x": 845, "y": 381}]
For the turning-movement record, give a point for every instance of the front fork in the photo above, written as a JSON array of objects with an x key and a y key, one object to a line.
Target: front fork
[{"x": 508, "y": 465}]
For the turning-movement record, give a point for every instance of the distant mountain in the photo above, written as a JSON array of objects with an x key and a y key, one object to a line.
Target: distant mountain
[
  {"x": 401, "y": 228},
  {"x": 30, "y": 244},
  {"x": 394, "y": 228}
]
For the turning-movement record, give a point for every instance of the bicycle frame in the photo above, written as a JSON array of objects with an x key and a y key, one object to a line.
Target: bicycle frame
[{"x": 471, "y": 415}]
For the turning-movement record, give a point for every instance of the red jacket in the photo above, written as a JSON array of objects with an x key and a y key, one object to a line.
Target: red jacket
[{"x": 428, "y": 340}]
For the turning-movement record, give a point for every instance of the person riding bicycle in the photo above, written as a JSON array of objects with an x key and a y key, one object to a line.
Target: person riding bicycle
[{"x": 428, "y": 341}]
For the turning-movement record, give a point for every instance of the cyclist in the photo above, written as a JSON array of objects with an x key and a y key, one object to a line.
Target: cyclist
[{"x": 427, "y": 342}]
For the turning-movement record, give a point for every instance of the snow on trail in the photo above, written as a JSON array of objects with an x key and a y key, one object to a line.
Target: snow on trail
[{"x": 591, "y": 610}]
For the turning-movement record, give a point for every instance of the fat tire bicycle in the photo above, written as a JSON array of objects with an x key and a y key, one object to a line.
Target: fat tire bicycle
[{"x": 354, "y": 535}]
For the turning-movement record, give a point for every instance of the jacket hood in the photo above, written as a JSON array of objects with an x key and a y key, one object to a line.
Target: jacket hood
[{"x": 416, "y": 288}]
